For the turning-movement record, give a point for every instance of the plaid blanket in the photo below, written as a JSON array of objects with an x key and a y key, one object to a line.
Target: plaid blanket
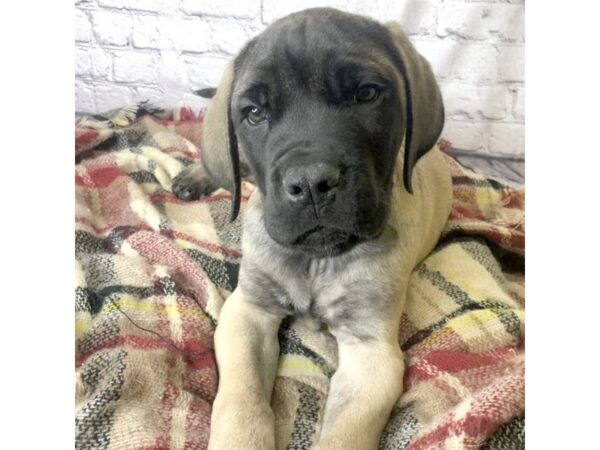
[{"x": 152, "y": 273}]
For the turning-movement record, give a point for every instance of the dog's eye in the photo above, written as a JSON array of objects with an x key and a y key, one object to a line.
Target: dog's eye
[
  {"x": 366, "y": 94},
  {"x": 256, "y": 115}
]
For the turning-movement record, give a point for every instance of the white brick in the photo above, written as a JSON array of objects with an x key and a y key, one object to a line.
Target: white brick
[
  {"x": 82, "y": 63},
  {"x": 141, "y": 5},
  {"x": 111, "y": 97},
  {"x": 377, "y": 9},
  {"x": 229, "y": 36},
  {"x": 495, "y": 102},
  {"x": 485, "y": 1},
  {"x": 134, "y": 67},
  {"x": 171, "y": 33},
  {"x": 248, "y": 9},
  {"x": 84, "y": 98},
  {"x": 191, "y": 34},
  {"x": 146, "y": 32},
  {"x": 205, "y": 71},
  {"x": 465, "y": 135},
  {"x": 381, "y": 10},
  {"x": 155, "y": 95},
  {"x": 511, "y": 65},
  {"x": 440, "y": 55},
  {"x": 173, "y": 74},
  {"x": 91, "y": 63},
  {"x": 418, "y": 17},
  {"x": 275, "y": 9},
  {"x": 460, "y": 100},
  {"x": 111, "y": 28},
  {"x": 384, "y": 10},
  {"x": 508, "y": 139},
  {"x": 83, "y": 27},
  {"x": 476, "y": 63},
  {"x": 518, "y": 109},
  {"x": 476, "y": 102},
  {"x": 481, "y": 21}
]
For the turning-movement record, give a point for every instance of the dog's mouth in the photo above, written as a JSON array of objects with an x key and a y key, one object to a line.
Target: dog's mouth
[
  {"x": 334, "y": 233},
  {"x": 323, "y": 241}
]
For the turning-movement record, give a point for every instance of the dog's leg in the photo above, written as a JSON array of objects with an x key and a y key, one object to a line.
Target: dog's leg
[
  {"x": 192, "y": 183},
  {"x": 362, "y": 393},
  {"x": 247, "y": 351}
]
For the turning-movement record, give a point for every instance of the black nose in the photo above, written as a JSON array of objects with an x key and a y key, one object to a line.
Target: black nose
[{"x": 313, "y": 183}]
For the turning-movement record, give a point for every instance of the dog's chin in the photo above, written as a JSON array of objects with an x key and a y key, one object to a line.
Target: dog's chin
[
  {"x": 321, "y": 242},
  {"x": 325, "y": 242}
]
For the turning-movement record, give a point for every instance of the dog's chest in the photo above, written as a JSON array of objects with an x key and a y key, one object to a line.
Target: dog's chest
[
  {"x": 328, "y": 290},
  {"x": 317, "y": 287}
]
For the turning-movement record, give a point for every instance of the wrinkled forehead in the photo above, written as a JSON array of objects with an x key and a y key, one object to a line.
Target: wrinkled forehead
[{"x": 308, "y": 50}]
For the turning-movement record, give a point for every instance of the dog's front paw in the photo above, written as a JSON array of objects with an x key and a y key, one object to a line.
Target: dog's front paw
[{"x": 192, "y": 183}]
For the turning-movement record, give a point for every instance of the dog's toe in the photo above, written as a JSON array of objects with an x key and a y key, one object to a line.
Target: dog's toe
[
  {"x": 188, "y": 186},
  {"x": 183, "y": 194},
  {"x": 184, "y": 189}
]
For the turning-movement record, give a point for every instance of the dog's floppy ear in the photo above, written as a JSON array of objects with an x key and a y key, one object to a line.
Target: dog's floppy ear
[
  {"x": 220, "y": 154},
  {"x": 424, "y": 107}
]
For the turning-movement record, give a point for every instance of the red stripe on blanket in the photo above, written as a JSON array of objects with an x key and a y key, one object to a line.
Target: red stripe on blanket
[
  {"x": 470, "y": 432},
  {"x": 197, "y": 428},
  {"x": 196, "y": 355},
  {"x": 460, "y": 211},
  {"x": 185, "y": 151},
  {"x": 174, "y": 124},
  {"x": 456, "y": 361},
  {"x": 163, "y": 425},
  {"x": 434, "y": 439},
  {"x": 513, "y": 199},
  {"x": 100, "y": 178},
  {"x": 85, "y": 137},
  {"x": 158, "y": 249},
  {"x": 155, "y": 447},
  {"x": 491, "y": 406}
]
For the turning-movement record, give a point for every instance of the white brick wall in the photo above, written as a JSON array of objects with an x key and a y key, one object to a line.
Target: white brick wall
[{"x": 131, "y": 50}]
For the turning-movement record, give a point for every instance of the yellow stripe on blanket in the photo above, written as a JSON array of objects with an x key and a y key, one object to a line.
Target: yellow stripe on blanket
[
  {"x": 489, "y": 201},
  {"x": 127, "y": 303},
  {"x": 83, "y": 322},
  {"x": 296, "y": 365},
  {"x": 437, "y": 339},
  {"x": 472, "y": 319},
  {"x": 482, "y": 330}
]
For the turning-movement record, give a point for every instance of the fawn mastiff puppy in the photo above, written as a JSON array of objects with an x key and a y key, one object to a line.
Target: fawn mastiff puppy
[{"x": 336, "y": 118}]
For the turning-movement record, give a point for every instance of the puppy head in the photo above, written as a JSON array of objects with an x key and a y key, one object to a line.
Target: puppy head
[{"x": 319, "y": 106}]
